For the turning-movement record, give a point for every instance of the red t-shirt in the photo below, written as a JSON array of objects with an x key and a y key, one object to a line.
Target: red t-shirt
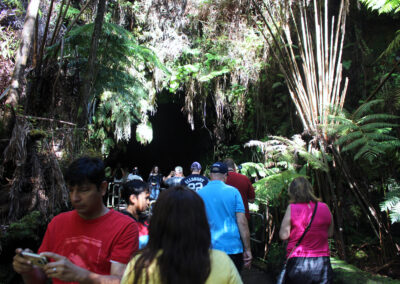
[
  {"x": 246, "y": 189},
  {"x": 92, "y": 244}
]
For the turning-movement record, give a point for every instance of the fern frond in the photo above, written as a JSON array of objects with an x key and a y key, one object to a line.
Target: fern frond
[
  {"x": 379, "y": 136},
  {"x": 354, "y": 144},
  {"x": 391, "y": 202},
  {"x": 341, "y": 120},
  {"x": 392, "y": 144},
  {"x": 376, "y": 116},
  {"x": 314, "y": 161},
  {"x": 377, "y": 125},
  {"x": 392, "y": 48},
  {"x": 368, "y": 152},
  {"x": 383, "y": 6},
  {"x": 253, "y": 169},
  {"x": 351, "y": 136},
  {"x": 365, "y": 107},
  {"x": 272, "y": 188}
]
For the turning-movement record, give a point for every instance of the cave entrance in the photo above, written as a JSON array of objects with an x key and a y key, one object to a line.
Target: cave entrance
[{"x": 174, "y": 143}]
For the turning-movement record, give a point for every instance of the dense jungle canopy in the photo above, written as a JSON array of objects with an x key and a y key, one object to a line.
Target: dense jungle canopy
[{"x": 286, "y": 88}]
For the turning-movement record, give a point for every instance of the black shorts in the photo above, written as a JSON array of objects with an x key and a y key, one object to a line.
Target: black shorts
[{"x": 308, "y": 270}]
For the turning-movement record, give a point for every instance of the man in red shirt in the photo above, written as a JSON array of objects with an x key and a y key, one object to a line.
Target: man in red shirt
[
  {"x": 242, "y": 183},
  {"x": 91, "y": 244}
]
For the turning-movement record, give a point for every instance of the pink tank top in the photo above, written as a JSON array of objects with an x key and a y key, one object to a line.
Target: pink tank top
[{"x": 315, "y": 242}]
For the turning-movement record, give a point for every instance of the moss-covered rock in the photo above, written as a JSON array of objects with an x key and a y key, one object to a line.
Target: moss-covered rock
[{"x": 349, "y": 274}]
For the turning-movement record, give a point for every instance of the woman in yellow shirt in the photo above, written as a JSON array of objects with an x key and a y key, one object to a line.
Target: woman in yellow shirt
[{"x": 179, "y": 244}]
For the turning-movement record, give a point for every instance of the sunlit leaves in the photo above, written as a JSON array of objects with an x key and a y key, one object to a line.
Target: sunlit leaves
[
  {"x": 271, "y": 190},
  {"x": 122, "y": 83},
  {"x": 367, "y": 135},
  {"x": 383, "y": 6},
  {"x": 144, "y": 132},
  {"x": 392, "y": 201}
]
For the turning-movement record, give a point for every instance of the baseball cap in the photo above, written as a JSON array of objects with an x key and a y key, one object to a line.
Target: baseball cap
[
  {"x": 219, "y": 167},
  {"x": 195, "y": 166},
  {"x": 179, "y": 169}
]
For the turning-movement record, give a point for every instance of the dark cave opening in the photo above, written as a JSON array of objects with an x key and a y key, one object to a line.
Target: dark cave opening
[{"x": 174, "y": 143}]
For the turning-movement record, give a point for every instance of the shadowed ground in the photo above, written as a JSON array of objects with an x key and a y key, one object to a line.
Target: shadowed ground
[{"x": 256, "y": 276}]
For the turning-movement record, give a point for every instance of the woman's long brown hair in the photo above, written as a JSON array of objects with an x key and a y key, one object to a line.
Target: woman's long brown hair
[
  {"x": 179, "y": 239},
  {"x": 301, "y": 191}
]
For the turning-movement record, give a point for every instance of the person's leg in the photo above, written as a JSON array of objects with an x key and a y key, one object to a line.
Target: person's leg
[{"x": 237, "y": 260}]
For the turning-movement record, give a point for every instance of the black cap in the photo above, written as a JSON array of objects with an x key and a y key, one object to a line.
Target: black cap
[{"x": 219, "y": 167}]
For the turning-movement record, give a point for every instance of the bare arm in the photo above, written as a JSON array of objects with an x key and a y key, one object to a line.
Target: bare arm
[
  {"x": 284, "y": 231},
  {"x": 67, "y": 271},
  {"x": 245, "y": 236}
]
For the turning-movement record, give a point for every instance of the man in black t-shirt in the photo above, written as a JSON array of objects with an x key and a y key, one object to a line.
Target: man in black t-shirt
[{"x": 195, "y": 181}]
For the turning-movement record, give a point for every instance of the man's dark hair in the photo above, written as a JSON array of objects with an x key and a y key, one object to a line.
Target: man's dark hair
[
  {"x": 229, "y": 163},
  {"x": 85, "y": 169},
  {"x": 135, "y": 187},
  {"x": 178, "y": 229}
]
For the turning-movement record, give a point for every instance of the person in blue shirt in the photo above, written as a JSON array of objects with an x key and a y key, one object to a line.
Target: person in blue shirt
[{"x": 226, "y": 217}]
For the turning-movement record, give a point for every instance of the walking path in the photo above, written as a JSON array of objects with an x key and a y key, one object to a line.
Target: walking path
[{"x": 256, "y": 276}]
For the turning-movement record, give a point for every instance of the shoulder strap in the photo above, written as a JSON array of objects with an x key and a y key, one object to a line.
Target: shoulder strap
[
  {"x": 306, "y": 229},
  {"x": 308, "y": 226}
]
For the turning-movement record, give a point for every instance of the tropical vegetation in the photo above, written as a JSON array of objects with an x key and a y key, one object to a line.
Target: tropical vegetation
[{"x": 286, "y": 88}]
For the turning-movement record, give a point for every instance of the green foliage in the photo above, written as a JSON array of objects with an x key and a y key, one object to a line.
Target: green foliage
[
  {"x": 391, "y": 201},
  {"x": 27, "y": 233},
  {"x": 275, "y": 259},
  {"x": 254, "y": 170},
  {"x": 383, "y": 6},
  {"x": 221, "y": 67},
  {"x": 8, "y": 42},
  {"x": 272, "y": 190},
  {"x": 223, "y": 151},
  {"x": 71, "y": 12},
  {"x": 393, "y": 47},
  {"x": 203, "y": 68},
  {"x": 366, "y": 135},
  {"x": 26, "y": 228},
  {"x": 123, "y": 91},
  {"x": 289, "y": 154},
  {"x": 17, "y": 6},
  {"x": 347, "y": 273},
  {"x": 144, "y": 133}
]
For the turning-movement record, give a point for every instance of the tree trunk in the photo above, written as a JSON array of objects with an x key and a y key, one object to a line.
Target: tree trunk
[
  {"x": 90, "y": 75},
  {"x": 328, "y": 188},
  {"x": 20, "y": 64},
  {"x": 381, "y": 231},
  {"x": 46, "y": 31}
]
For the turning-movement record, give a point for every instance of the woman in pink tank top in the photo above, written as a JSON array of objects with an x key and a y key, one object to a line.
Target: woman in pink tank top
[{"x": 308, "y": 262}]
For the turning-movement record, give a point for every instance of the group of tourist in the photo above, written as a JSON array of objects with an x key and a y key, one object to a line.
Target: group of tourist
[{"x": 198, "y": 231}]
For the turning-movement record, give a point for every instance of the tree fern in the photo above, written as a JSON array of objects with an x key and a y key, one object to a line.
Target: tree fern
[
  {"x": 254, "y": 170},
  {"x": 383, "y": 6},
  {"x": 271, "y": 189},
  {"x": 386, "y": 6},
  {"x": 366, "y": 134},
  {"x": 122, "y": 86},
  {"x": 282, "y": 149},
  {"x": 391, "y": 203}
]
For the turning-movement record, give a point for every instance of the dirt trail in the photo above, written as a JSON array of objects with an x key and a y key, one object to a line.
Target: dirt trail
[{"x": 256, "y": 276}]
